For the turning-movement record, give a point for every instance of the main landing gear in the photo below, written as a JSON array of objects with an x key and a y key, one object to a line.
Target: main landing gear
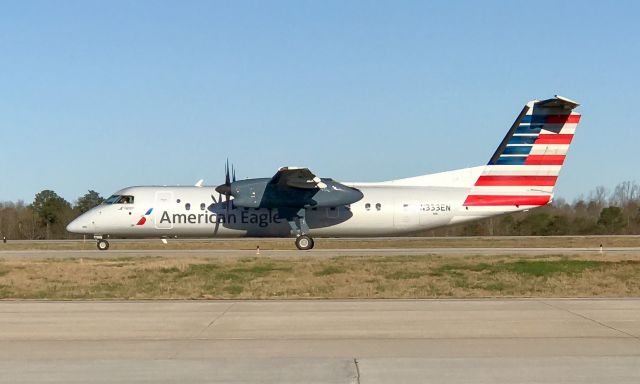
[
  {"x": 304, "y": 242},
  {"x": 102, "y": 244},
  {"x": 298, "y": 224}
]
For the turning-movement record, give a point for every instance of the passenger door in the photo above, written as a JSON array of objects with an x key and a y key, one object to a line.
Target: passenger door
[{"x": 164, "y": 200}]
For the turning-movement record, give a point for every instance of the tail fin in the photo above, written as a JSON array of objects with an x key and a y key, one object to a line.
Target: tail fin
[{"x": 524, "y": 169}]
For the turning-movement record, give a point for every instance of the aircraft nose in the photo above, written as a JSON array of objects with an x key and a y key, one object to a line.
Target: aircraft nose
[
  {"x": 73, "y": 226},
  {"x": 79, "y": 225}
]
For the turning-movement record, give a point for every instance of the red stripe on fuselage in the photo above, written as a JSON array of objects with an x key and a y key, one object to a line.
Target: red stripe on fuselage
[
  {"x": 504, "y": 200},
  {"x": 515, "y": 181},
  {"x": 554, "y": 138},
  {"x": 562, "y": 119},
  {"x": 544, "y": 160}
]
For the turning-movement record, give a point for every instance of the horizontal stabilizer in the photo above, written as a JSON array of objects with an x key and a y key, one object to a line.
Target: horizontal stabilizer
[{"x": 558, "y": 102}]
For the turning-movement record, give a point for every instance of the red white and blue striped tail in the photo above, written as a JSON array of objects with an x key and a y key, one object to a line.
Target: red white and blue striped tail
[{"x": 525, "y": 167}]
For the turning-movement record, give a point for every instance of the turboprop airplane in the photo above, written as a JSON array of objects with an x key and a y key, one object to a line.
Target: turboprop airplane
[{"x": 520, "y": 175}]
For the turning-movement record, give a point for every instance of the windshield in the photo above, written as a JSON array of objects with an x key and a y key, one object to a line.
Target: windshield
[{"x": 119, "y": 199}]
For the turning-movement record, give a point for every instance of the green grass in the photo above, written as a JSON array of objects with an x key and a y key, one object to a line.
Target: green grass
[
  {"x": 260, "y": 269},
  {"x": 538, "y": 268},
  {"x": 320, "y": 277},
  {"x": 233, "y": 289},
  {"x": 229, "y": 276},
  {"x": 404, "y": 275},
  {"x": 498, "y": 286},
  {"x": 547, "y": 268},
  {"x": 329, "y": 270}
]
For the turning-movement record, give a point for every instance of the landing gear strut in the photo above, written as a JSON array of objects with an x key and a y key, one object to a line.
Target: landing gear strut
[
  {"x": 304, "y": 242},
  {"x": 102, "y": 245},
  {"x": 298, "y": 224}
]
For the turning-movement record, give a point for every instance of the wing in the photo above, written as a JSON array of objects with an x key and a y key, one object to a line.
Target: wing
[{"x": 296, "y": 177}]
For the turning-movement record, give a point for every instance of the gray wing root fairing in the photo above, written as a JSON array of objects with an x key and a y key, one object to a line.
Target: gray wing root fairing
[
  {"x": 291, "y": 188},
  {"x": 301, "y": 178},
  {"x": 295, "y": 194}
]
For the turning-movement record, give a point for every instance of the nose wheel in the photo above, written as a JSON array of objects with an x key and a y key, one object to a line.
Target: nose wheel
[
  {"x": 304, "y": 242},
  {"x": 102, "y": 245}
]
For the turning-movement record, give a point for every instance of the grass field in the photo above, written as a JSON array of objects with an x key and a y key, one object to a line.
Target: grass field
[
  {"x": 427, "y": 276},
  {"x": 333, "y": 243}
]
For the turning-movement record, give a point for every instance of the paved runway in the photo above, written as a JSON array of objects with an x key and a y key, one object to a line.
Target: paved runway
[
  {"x": 394, "y": 341},
  {"x": 113, "y": 253}
]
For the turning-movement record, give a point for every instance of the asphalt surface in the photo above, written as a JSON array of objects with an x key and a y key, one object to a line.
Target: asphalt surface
[
  {"x": 351, "y": 341},
  {"x": 114, "y": 253}
]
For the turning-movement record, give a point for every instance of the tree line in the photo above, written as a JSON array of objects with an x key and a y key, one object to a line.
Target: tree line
[
  {"x": 45, "y": 218},
  {"x": 601, "y": 212}
]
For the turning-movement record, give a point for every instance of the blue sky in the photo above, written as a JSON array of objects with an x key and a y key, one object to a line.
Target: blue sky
[{"x": 102, "y": 95}]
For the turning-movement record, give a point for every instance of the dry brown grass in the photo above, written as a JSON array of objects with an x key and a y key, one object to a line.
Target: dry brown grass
[
  {"x": 334, "y": 243},
  {"x": 427, "y": 276}
]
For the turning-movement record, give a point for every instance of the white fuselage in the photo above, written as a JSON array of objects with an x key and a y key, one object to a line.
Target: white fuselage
[{"x": 388, "y": 208}]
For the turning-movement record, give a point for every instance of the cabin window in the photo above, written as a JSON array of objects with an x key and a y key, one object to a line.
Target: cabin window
[
  {"x": 187, "y": 206},
  {"x": 178, "y": 201},
  {"x": 203, "y": 206},
  {"x": 367, "y": 206},
  {"x": 378, "y": 206}
]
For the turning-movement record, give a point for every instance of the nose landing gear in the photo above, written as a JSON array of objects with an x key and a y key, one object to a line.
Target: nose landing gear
[{"x": 102, "y": 245}]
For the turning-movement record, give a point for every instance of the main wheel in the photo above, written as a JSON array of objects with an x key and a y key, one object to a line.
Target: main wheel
[
  {"x": 103, "y": 245},
  {"x": 304, "y": 242}
]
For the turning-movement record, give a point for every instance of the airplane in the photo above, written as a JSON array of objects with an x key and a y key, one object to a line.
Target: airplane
[{"x": 520, "y": 175}]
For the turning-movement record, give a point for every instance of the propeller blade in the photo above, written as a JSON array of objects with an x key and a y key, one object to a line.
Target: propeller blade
[
  {"x": 215, "y": 229},
  {"x": 233, "y": 173},
  {"x": 225, "y": 189}
]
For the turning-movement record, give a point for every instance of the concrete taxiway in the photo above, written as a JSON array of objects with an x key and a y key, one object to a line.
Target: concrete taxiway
[
  {"x": 384, "y": 341},
  {"x": 114, "y": 253}
]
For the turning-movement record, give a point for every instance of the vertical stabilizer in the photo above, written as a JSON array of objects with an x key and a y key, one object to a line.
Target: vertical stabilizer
[{"x": 524, "y": 169}]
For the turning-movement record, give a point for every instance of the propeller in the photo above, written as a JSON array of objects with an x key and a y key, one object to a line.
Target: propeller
[
  {"x": 225, "y": 189},
  {"x": 215, "y": 230}
]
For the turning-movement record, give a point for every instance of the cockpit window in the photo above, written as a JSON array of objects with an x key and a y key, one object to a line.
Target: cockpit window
[
  {"x": 126, "y": 200},
  {"x": 119, "y": 199},
  {"x": 112, "y": 199}
]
